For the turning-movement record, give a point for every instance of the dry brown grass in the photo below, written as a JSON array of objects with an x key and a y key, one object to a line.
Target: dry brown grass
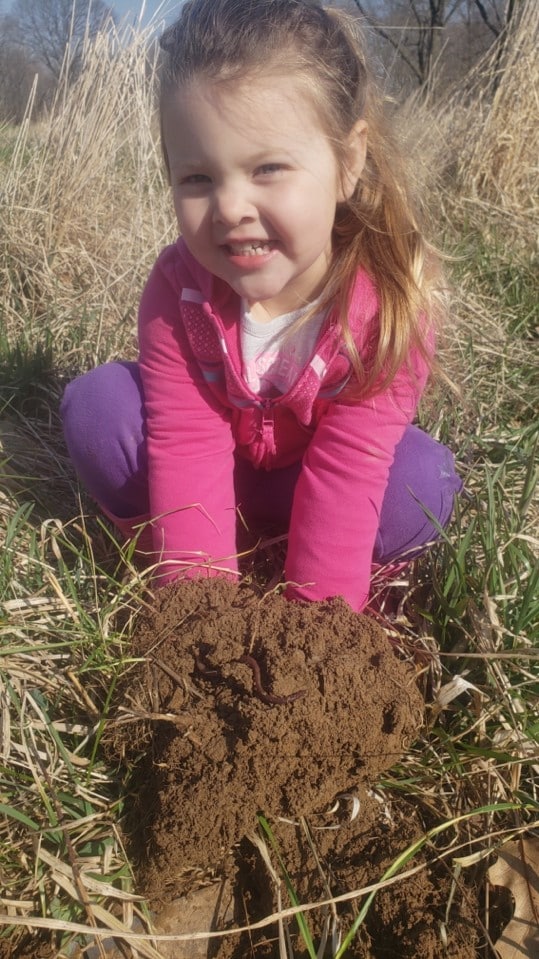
[
  {"x": 499, "y": 148},
  {"x": 480, "y": 142},
  {"x": 84, "y": 207}
]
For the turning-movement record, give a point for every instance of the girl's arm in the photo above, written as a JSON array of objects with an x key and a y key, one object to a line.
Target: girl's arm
[
  {"x": 190, "y": 445},
  {"x": 339, "y": 493}
]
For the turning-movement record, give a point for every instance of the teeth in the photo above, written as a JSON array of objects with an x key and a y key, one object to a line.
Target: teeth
[{"x": 250, "y": 249}]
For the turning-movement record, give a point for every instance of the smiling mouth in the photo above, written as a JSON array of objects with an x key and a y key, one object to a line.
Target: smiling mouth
[{"x": 249, "y": 249}]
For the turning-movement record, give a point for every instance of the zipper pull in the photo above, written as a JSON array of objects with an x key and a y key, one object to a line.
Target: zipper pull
[{"x": 268, "y": 430}]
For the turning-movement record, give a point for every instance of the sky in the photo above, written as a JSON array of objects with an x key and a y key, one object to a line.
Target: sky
[{"x": 150, "y": 9}]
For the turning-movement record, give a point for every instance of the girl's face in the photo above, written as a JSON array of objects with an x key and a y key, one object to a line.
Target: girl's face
[{"x": 255, "y": 185}]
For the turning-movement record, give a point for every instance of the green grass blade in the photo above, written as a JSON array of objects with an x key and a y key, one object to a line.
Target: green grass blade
[
  {"x": 300, "y": 918},
  {"x": 11, "y": 813}
]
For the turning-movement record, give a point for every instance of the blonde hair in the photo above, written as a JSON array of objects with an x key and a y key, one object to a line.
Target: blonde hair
[{"x": 377, "y": 228}]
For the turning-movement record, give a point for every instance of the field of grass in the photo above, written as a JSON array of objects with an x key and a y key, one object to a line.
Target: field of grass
[{"x": 84, "y": 210}]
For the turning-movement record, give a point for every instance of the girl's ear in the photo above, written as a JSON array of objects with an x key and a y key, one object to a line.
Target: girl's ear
[{"x": 356, "y": 151}]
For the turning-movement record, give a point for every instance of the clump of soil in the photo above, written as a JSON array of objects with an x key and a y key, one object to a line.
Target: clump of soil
[
  {"x": 256, "y": 704},
  {"x": 227, "y": 753}
]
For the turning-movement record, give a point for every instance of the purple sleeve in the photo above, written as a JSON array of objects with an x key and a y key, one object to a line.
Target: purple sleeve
[
  {"x": 190, "y": 445},
  {"x": 339, "y": 493}
]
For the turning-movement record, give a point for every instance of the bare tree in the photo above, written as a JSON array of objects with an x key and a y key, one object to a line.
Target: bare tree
[
  {"x": 18, "y": 75},
  {"x": 496, "y": 14},
  {"x": 51, "y": 29},
  {"x": 414, "y": 28},
  {"x": 18, "y": 72}
]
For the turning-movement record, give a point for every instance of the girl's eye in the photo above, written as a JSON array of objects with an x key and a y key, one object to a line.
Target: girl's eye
[
  {"x": 194, "y": 179},
  {"x": 269, "y": 169}
]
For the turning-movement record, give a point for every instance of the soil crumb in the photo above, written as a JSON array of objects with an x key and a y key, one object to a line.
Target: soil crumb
[{"x": 242, "y": 704}]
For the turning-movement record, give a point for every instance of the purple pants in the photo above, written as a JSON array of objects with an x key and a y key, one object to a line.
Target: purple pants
[{"x": 104, "y": 427}]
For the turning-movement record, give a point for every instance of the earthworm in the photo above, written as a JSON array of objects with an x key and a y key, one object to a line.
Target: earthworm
[{"x": 271, "y": 699}]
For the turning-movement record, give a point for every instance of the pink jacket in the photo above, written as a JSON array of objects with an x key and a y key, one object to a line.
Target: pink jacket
[{"x": 200, "y": 413}]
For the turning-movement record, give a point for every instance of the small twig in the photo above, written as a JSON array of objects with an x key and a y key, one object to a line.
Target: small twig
[{"x": 170, "y": 672}]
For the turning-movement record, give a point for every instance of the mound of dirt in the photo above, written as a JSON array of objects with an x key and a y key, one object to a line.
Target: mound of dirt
[
  {"x": 275, "y": 707},
  {"x": 255, "y": 704}
]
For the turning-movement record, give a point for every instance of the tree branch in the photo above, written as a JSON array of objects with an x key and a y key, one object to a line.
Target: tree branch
[
  {"x": 484, "y": 16},
  {"x": 387, "y": 36}
]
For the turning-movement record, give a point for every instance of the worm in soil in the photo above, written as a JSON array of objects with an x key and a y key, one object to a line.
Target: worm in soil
[{"x": 271, "y": 699}]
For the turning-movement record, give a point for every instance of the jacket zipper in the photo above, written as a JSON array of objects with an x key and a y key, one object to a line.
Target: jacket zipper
[{"x": 268, "y": 432}]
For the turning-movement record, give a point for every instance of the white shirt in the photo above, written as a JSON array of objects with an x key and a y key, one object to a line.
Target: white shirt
[{"x": 271, "y": 360}]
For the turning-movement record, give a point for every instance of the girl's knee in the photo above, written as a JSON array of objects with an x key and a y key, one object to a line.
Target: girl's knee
[
  {"x": 424, "y": 470},
  {"x": 103, "y": 420},
  {"x": 419, "y": 498},
  {"x": 107, "y": 391}
]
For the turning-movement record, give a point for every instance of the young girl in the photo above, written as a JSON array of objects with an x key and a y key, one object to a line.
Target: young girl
[{"x": 286, "y": 337}]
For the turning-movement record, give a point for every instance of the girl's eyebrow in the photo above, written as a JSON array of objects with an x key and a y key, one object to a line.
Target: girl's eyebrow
[
  {"x": 276, "y": 152},
  {"x": 188, "y": 166}
]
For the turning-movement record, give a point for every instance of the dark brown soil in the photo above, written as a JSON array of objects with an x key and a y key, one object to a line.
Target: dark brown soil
[{"x": 217, "y": 752}]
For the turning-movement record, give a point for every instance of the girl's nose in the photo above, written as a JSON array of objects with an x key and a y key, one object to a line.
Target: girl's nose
[{"x": 232, "y": 205}]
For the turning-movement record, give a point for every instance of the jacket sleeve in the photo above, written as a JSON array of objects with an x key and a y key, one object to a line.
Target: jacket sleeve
[
  {"x": 339, "y": 493},
  {"x": 189, "y": 442}
]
